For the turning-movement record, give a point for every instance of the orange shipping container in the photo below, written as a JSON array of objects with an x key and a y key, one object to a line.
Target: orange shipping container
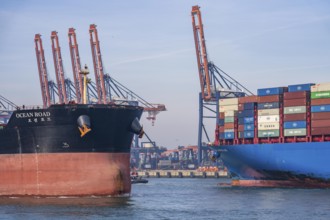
[
  {"x": 321, "y": 124},
  {"x": 270, "y": 98},
  {"x": 246, "y": 99},
  {"x": 229, "y": 125},
  {"x": 295, "y": 117},
  {"x": 294, "y": 102},
  {"x": 320, "y": 115},
  {"x": 320, "y": 101},
  {"x": 297, "y": 95},
  {"x": 320, "y": 131},
  {"x": 240, "y": 127}
]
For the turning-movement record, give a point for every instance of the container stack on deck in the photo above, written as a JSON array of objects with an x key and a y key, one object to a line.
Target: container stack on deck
[
  {"x": 297, "y": 113},
  {"x": 320, "y": 109},
  {"x": 296, "y": 109},
  {"x": 228, "y": 114},
  {"x": 270, "y": 102}
]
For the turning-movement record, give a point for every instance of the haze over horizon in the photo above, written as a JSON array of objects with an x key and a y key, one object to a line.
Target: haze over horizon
[{"x": 149, "y": 47}]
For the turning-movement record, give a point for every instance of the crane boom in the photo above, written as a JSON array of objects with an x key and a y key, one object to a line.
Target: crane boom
[
  {"x": 98, "y": 65},
  {"x": 59, "y": 70},
  {"x": 76, "y": 65},
  {"x": 43, "y": 75},
  {"x": 201, "y": 53}
]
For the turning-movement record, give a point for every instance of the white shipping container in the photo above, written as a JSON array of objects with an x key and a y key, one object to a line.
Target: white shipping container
[
  {"x": 295, "y": 110},
  {"x": 231, "y": 101},
  {"x": 230, "y": 113},
  {"x": 269, "y": 126},
  {"x": 295, "y": 132},
  {"x": 265, "y": 112},
  {"x": 229, "y": 130},
  {"x": 228, "y": 108},
  {"x": 320, "y": 87},
  {"x": 268, "y": 118}
]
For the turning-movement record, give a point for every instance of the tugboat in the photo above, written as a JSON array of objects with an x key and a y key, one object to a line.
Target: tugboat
[{"x": 135, "y": 178}]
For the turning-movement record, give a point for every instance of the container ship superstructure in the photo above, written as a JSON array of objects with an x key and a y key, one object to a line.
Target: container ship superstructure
[{"x": 281, "y": 137}]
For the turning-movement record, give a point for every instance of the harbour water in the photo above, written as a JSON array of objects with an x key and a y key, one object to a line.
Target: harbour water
[{"x": 174, "y": 198}]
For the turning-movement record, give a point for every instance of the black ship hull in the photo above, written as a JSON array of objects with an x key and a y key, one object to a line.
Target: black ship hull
[{"x": 46, "y": 152}]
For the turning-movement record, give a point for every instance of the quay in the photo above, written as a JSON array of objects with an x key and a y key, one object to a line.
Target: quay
[{"x": 183, "y": 174}]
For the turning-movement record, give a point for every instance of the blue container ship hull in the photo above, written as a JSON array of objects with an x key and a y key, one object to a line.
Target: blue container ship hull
[{"x": 292, "y": 164}]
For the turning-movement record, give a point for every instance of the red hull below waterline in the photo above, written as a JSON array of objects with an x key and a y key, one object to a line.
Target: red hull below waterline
[{"x": 65, "y": 174}]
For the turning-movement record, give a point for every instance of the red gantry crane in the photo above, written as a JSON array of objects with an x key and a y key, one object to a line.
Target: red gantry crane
[
  {"x": 59, "y": 70},
  {"x": 98, "y": 65},
  {"x": 43, "y": 75},
  {"x": 76, "y": 65},
  {"x": 106, "y": 89},
  {"x": 215, "y": 85},
  {"x": 202, "y": 61}
]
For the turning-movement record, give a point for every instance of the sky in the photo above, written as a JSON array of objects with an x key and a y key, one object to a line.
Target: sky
[{"x": 148, "y": 46}]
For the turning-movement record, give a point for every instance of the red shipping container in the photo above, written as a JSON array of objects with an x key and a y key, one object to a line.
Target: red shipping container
[
  {"x": 229, "y": 125},
  {"x": 295, "y": 102},
  {"x": 222, "y": 115},
  {"x": 222, "y": 129},
  {"x": 321, "y": 124},
  {"x": 320, "y": 131},
  {"x": 295, "y": 117},
  {"x": 320, "y": 115},
  {"x": 297, "y": 95},
  {"x": 270, "y": 98},
  {"x": 246, "y": 99},
  {"x": 320, "y": 101},
  {"x": 240, "y": 127}
]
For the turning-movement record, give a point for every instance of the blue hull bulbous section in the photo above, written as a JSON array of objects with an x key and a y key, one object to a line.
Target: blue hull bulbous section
[{"x": 283, "y": 161}]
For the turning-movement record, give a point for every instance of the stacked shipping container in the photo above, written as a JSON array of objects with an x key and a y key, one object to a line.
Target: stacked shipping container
[
  {"x": 297, "y": 113},
  {"x": 228, "y": 113},
  {"x": 320, "y": 109},
  {"x": 296, "y": 107},
  {"x": 269, "y": 111},
  {"x": 246, "y": 117}
]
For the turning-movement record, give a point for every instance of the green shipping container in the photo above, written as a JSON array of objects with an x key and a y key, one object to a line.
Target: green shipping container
[
  {"x": 269, "y": 133},
  {"x": 320, "y": 95},
  {"x": 229, "y": 119},
  {"x": 295, "y": 132}
]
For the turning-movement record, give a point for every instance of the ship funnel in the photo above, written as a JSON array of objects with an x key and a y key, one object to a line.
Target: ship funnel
[
  {"x": 137, "y": 128},
  {"x": 84, "y": 124}
]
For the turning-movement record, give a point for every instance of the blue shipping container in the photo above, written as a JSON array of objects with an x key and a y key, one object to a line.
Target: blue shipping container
[
  {"x": 295, "y": 124},
  {"x": 249, "y": 127},
  {"x": 222, "y": 135},
  {"x": 300, "y": 87},
  {"x": 249, "y": 106},
  {"x": 241, "y": 121},
  {"x": 320, "y": 108},
  {"x": 248, "y": 120},
  {"x": 248, "y": 134},
  {"x": 268, "y": 105},
  {"x": 229, "y": 135},
  {"x": 272, "y": 91},
  {"x": 221, "y": 122},
  {"x": 246, "y": 113}
]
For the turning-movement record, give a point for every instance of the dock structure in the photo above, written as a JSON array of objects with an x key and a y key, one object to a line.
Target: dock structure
[{"x": 182, "y": 174}]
